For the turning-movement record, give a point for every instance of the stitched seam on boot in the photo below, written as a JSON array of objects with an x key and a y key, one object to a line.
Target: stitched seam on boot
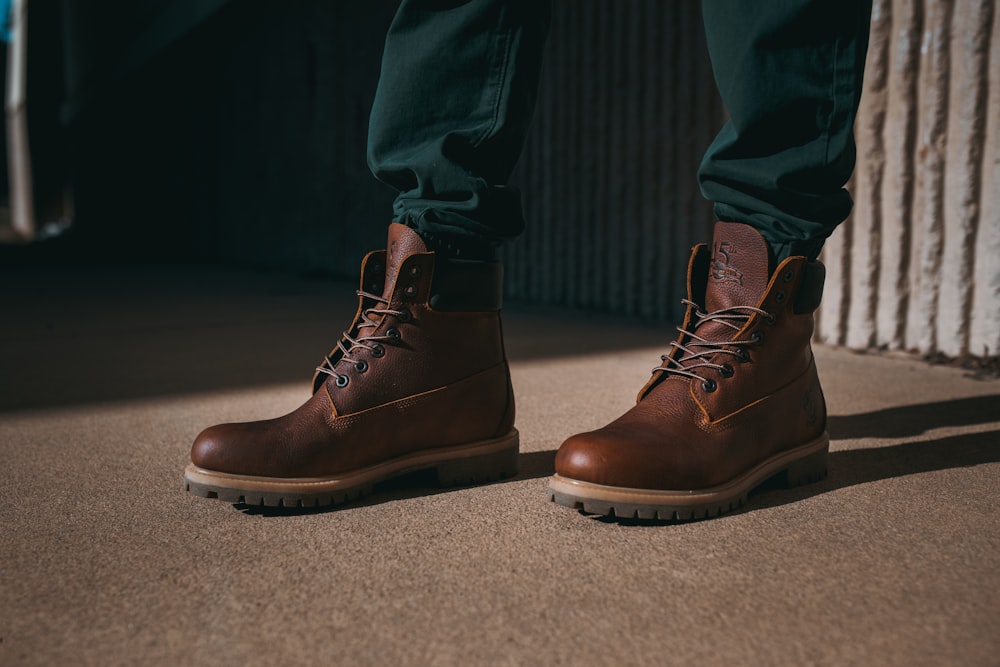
[
  {"x": 708, "y": 422},
  {"x": 406, "y": 401}
]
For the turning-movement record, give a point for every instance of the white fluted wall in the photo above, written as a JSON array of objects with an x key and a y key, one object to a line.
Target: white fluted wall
[
  {"x": 628, "y": 106},
  {"x": 917, "y": 266}
]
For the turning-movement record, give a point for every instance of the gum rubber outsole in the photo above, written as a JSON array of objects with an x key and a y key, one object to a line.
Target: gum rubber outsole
[
  {"x": 464, "y": 465},
  {"x": 802, "y": 465}
]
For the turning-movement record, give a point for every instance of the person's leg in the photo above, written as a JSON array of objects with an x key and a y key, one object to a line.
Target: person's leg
[
  {"x": 420, "y": 378},
  {"x": 737, "y": 398},
  {"x": 456, "y": 94},
  {"x": 789, "y": 73}
]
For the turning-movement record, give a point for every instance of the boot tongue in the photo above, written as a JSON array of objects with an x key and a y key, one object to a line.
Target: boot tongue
[
  {"x": 740, "y": 268},
  {"x": 402, "y": 243}
]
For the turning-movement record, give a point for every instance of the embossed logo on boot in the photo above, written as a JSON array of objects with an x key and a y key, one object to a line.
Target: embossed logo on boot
[
  {"x": 810, "y": 407},
  {"x": 721, "y": 267}
]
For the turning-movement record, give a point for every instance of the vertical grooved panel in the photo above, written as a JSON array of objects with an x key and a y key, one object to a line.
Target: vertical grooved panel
[
  {"x": 650, "y": 121},
  {"x": 868, "y": 182},
  {"x": 985, "y": 330},
  {"x": 684, "y": 183},
  {"x": 931, "y": 139},
  {"x": 628, "y": 106},
  {"x": 897, "y": 187},
  {"x": 629, "y": 222},
  {"x": 615, "y": 180},
  {"x": 666, "y": 267},
  {"x": 972, "y": 21}
]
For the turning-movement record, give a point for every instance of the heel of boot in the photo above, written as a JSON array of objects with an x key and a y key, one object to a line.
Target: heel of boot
[
  {"x": 481, "y": 468},
  {"x": 806, "y": 470}
]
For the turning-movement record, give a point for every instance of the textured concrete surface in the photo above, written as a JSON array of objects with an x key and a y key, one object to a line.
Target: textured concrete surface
[
  {"x": 109, "y": 374},
  {"x": 917, "y": 264}
]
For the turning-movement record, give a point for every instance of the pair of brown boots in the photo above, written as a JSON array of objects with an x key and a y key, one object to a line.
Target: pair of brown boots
[{"x": 421, "y": 381}]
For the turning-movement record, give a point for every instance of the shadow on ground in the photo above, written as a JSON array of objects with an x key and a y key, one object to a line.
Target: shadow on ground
[
  {"x": 907, "y": 420},
  {"x": 846, "y": 467},
  {"x": 531, "y": 465},
  {"x": 89, "y": 335}
]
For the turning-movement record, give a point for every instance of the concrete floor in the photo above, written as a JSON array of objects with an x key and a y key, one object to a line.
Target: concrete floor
[{"x": 109, "y": 374}]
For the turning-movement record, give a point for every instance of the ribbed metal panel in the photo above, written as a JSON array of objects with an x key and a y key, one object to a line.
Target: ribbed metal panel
[{"x": 626, "y": 109}]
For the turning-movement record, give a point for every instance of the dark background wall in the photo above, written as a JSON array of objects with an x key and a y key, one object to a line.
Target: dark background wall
[
  {"x": 241, "y": 140},
  {"x": 627, "y": 107},
  {"x": 233, "y": 132},
  {"x": 241, "y": 143}
]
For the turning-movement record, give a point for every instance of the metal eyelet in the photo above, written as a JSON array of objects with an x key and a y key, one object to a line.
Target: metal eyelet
[
  {"x": 377, "y": 267},
  {"x": 404, "y": 316},
  {"x": 779, "y": 297},
  {"x": 709, "y": 385},
  {"x": 770, "y": 319},
  {"x": 378, "y": 351},
  {"x": 788, "y": 275},
  {"x": 727, "y": 371},
  {"x": 415, "y": 271},
  {"x": 742, "y": 355},
  {"x": 373, "y": 287},
  {"x": 392, "y": 332},
  {"x": 361, "y": 366},
  {"x": 410, "y": 291},
  {"x": 342, "y": 381},
  {"x": 757, "y": 338}
]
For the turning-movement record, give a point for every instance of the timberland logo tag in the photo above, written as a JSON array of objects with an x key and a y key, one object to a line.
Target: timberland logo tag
[
  {"x": 810, "y": 407},
  {"x": 721, "y": 268}
]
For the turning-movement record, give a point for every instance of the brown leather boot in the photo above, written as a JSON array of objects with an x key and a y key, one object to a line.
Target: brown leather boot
[
  {"x": 735, "y": 401},
  {"x": 420, "y": 381}
]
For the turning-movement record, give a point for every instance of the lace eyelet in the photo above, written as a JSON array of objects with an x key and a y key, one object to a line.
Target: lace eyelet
[
  {"x": 377, "y": 267},
  {"x": 709, "y": 386},
  {"x": 361, "y": 366},
  {"x": 404, "y": 316},
  {"x": 392, "y": 332},
  {"x": 410, "y": 291},
  {"x": 742, "y": 355},
  {"x": 788, "y": 275},
  {"x": 373, "y": 287},
  {"x": 757, "y": 338},
  {"x": 726, "y": 371},
  {"x": 378, "y": 351},
  {"x": 415, "y": 272},
  {"x": 770, "y": 319},
  {"x": 779, "y": 297},
  {"x": 342, "y": 381}
]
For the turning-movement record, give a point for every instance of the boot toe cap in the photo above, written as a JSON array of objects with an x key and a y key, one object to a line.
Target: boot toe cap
[
  {"x": 584, "y": 457},
  {"x": 212, "y": 449},
  {"x": 629, "y": 458}
]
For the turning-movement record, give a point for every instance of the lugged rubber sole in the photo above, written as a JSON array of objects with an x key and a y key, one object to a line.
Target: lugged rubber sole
[
  {"x": 802, "y": 465},
  {"x": 475, "y": 463}
]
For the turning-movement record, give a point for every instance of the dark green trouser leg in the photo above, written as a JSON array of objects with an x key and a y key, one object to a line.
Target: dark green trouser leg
[
  {"x": 789, "y": 72},
  {"x": 454, "y": 100}
]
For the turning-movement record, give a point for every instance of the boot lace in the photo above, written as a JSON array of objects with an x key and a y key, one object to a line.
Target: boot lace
[
  {"x": 349, "y": 344},
  {"x": 695, "y": 354}
]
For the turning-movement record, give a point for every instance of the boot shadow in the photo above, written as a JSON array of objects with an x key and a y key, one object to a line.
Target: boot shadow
[
  {"x": 846, "y": 468},
  {"x": 859, "y": 466},
  {"x": 908, "y": 420},
  {"x": 418, "y": 484}
]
